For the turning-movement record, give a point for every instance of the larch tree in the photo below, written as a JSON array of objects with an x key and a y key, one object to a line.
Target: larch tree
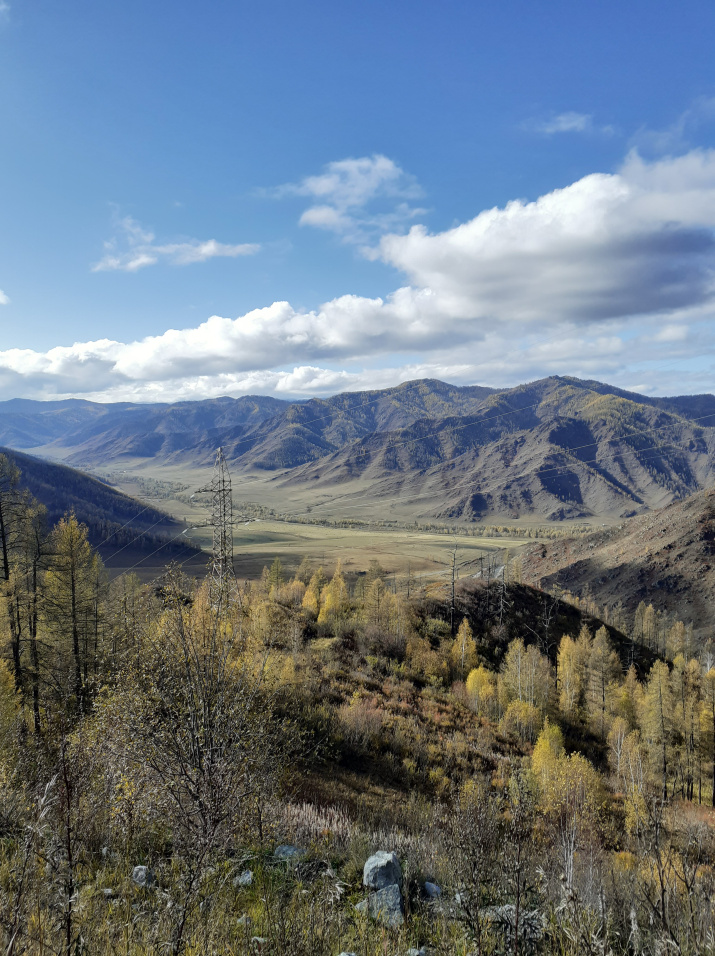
[
  {"x": 657, "y": 721},
  {"x": 73, "y": 589}
]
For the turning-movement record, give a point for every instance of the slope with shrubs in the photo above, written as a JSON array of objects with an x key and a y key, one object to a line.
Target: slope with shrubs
[{"x": 157, "y": 744}]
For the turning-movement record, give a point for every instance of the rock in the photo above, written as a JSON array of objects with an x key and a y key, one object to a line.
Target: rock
[
  {"x": 244, "y": 879},
  {"x": 432, "y": 890},
  {"x": 361, "y": 907},
  {"x": 108, "y": 893},
  {"x": 143, "y": 876},
  {"x": 416, "y": 952},
  {"x": 259, "y": 944},
  {"x": 347, "y": 954},
  {"x": 386, "y": 906},
  {"x": 289, "y": 854},
  {"x": 381, "y": 870},
  {"x": 244, "y": 920}
]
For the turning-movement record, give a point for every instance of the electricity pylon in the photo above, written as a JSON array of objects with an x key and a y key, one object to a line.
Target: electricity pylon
[{"x": 222, "y": 576}]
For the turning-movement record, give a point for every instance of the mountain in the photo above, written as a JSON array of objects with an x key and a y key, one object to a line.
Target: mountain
[
  {"x": 559, "y": 448},
  {"x": 116, "y": 523},
  {"x": 665, "y": 558},
  {"x": 95, "y": 433}
]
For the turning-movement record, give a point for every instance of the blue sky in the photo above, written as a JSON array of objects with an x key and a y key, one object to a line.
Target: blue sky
[{"x": 297, "y": 199}]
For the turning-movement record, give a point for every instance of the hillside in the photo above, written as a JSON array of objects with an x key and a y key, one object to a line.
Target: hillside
[
  {"x": 116, "y": 523},
  {"x": 666, "y": 558}
]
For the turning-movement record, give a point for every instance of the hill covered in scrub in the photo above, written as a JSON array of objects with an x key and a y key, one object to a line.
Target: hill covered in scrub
[
  {"x": 665, "y": 558},
  {"x": 224, "y": 762}
]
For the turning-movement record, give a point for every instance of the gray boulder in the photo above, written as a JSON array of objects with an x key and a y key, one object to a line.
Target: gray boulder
[
  {"x": 244, "y": 879},
  {"x": 289, "y": 854},
  {"x": 416, "y": 952},
  {"x": 432, "y": 890},
  {"x": 381, "y": 870},
  {"x": 386, "y": 906},
  {"x": 143, "y": 876}
]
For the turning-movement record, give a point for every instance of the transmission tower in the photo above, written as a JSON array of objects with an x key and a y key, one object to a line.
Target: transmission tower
[{"x": 222, "y": 577}]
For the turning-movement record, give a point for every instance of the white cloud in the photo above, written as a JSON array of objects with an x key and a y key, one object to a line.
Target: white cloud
[
  {"x": 4, "y": 299},
  {"x": 133, "y": 248},
  {"x": 611, "y": 277},
  {"x": 356, "y": 198},
  {"x": 4, "y": 9},
  {"x": 569, "y": 122},
  {"x": 610, "y": 246}
]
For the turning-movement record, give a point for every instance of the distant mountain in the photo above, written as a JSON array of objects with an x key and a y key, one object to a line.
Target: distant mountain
[
  {"x": 92, "y": 433},
  {"x": 666, "y": 558},
  {"x": 559, "y": 448},
  {"x": 116, "y": 523}
]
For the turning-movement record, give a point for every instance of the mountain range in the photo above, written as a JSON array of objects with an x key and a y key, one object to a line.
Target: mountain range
[{"x": 559, "y": 448}]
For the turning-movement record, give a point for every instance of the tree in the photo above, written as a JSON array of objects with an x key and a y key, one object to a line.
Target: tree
[
  {"x": 196, "y": 715},
  {"x": 603, "y": 667},
  {"x": 570, "y": 677},
  {"x": 9, "y": 501},
  {"x": 74, "y": 587},
  {"x": 334, "y": 599},
  {"x": 463, "y": 652},
  {"x": 481, "y": 690},
  {"x": 472, "y": 836},
  {"x": 526, "y": 673},
  {"x": 658, "y": 721}
]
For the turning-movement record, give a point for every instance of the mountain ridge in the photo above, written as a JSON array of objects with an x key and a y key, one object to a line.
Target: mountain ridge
[{"x": 559, "y": 448}]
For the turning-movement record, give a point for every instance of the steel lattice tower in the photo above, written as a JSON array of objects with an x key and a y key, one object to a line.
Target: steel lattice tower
[{"x": 222, "y": 574}]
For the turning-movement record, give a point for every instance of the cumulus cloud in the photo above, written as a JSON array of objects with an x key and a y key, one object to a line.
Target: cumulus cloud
[
  {"x": 133, "y": 247},
  {"x": 569, "y": 122},
  {"x": 4, "y": 299},
  {"x": 610, "y": 246},
  {"x": 608, "y": 277},
  {"x": 356, "y": 198}
]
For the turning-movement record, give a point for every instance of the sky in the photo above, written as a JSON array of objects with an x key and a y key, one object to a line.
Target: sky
[{"x": 298, "y": 199}]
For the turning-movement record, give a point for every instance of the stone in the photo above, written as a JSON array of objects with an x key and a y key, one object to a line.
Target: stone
[
  {"x": 381, "y": 870},
  {"x": 259, "y": 944},
  {"x": 289, "y": 854},
  {"x": 386, "y": 906},
  {"x": 432, "y": 890},
  {"x": 412, "y": 951},
  {"x": 108, "y": 893},
  {"x": 244, "y": 920},
  {"x": 143, "y": 876},
  {"x": 347, "y": 954},
  {"x": 244, "y": 879}
]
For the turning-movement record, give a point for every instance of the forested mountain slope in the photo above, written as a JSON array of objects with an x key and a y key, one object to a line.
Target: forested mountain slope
[{"x": 114, "y": 520}]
